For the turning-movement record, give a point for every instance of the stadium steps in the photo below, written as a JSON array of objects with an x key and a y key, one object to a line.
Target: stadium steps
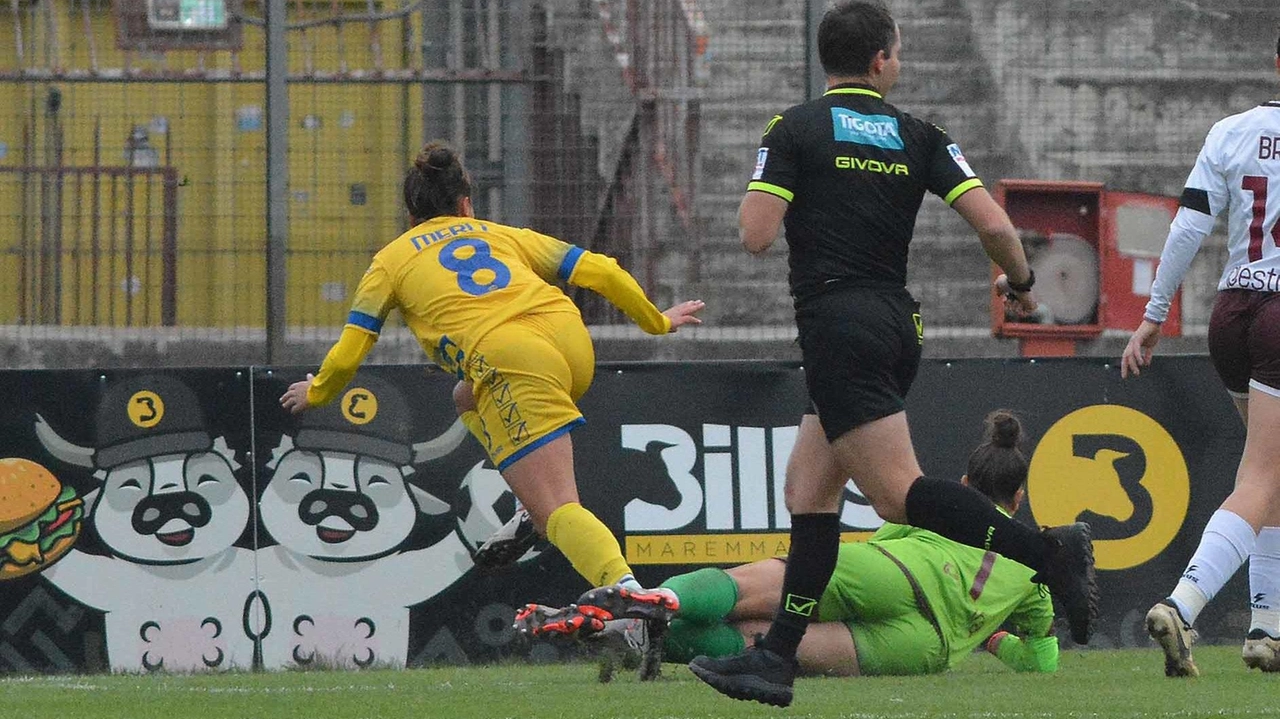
[
  {"x": 591, "y": 74},
  {"x": 755, "y": 59}
]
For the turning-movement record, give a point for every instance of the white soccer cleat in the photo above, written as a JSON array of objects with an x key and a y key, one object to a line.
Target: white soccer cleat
[
  {"x": 637, "y": 639},
  {"x": 1261, "y": 651},
  {"x": 507, "y": 545},
  {"x": 1175, "y": 636}
]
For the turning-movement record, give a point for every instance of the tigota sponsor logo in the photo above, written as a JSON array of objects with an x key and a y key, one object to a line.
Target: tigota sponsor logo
[
  {"x": 874, "y": 130},
  {"x": 1119, "y": 470},
  {"x": 728, "y": 496}
]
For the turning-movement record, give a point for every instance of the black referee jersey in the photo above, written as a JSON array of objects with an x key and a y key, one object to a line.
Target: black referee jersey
[{"x": 854, "y": 169}]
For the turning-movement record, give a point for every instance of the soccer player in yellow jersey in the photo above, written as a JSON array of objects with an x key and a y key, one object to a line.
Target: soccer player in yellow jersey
[{"x": 479, "y": 298}]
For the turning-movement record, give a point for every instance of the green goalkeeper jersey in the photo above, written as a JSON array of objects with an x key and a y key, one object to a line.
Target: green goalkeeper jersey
[{"x": 972, "y": 593}]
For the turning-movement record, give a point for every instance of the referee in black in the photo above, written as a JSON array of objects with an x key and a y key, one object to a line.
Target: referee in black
[{"x": 845, "y": 174}]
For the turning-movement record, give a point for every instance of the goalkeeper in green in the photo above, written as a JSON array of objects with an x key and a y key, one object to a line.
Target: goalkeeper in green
[{"x": 907, "y": 601}]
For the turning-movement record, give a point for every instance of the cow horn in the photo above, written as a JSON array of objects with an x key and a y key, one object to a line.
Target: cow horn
[
  {"x": 428, "y": 502},
  {"x": 61, "y": 448},
  {"x": 442, "y": 445}
]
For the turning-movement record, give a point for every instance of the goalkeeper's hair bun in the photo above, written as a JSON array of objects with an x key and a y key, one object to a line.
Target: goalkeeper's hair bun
[
  {"x": 997, "y": 468},
  {"x": 1003, "y": 429},
  {"x": 436, "y": 183}
]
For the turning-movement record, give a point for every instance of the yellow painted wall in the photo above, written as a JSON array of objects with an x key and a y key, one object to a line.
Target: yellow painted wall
[{"x": 355, "y": 136}]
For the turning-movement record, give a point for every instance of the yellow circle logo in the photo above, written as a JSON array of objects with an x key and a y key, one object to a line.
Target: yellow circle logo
[
  {"x": 359, "y": 405},
  {"x": 1120, "y": 471},
  {"x": 145, "y": 409}
]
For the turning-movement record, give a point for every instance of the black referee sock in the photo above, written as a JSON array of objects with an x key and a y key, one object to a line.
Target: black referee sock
[
  {"x": 815, "y": 543},
  {"x": 965, "y": 515}
]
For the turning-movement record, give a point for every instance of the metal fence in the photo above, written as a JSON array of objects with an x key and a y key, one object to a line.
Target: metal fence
[
  {"x": 137, "y": 176},
  {"x": 578, "y": 118},
  {"x": 80, "y": 227}
]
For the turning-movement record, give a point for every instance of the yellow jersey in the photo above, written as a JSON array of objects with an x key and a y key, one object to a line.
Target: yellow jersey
[{"x": 454, "y": 279}]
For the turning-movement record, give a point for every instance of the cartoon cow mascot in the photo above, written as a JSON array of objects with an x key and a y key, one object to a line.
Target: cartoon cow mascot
[
  {"x": 169, "y": 509},
  {"x": 338, "y": 504}
]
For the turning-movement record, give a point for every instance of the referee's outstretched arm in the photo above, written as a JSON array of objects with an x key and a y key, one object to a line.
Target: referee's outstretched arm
[{"x": 1001, "y": 243}]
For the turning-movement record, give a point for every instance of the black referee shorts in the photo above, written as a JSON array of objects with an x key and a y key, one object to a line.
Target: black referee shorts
[{"x": 861, "y": 350}]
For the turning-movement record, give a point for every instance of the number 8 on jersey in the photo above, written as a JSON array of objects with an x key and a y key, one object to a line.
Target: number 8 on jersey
[{"x": 479, "y": 273}]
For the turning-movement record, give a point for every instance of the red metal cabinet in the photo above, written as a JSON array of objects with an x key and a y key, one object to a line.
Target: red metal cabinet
[{"x": 1095, "y": 252}]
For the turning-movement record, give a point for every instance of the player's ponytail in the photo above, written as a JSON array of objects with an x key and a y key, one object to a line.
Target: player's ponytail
[
  {"x": 436, "y": 183},
  {"x": 997, "y": 468}
]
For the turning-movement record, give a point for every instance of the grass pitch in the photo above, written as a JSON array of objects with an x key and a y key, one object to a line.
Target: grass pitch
[{"x": 1120, "y": 683}]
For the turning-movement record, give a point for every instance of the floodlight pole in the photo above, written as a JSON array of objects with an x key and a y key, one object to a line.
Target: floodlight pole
[{"x": 277, "y": 118}]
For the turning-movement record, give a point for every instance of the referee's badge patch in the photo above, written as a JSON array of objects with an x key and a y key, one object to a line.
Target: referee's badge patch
[
  {"x": 958, "y": 156},
  {"x": 762, "y": 156}
]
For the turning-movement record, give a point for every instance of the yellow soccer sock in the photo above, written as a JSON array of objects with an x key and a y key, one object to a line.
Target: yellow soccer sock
[{"x": 589, "y": 545}]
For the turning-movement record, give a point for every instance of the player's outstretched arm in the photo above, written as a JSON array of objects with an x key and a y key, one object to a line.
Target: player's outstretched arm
[
  {"x": 374, "y": 298},
  {"x": 1025, "y": 655},
  {"x": 602, "y": 274},
  {"x": 336, "y": 371},
  {"x": 685, "y": 313}
]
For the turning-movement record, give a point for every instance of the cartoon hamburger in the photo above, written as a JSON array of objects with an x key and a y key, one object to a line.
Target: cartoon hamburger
[{"x": 39, "y": 518}]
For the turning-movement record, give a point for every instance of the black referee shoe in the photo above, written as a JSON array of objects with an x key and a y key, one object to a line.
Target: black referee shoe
[
  {"x": 756, "y": 674},
  {"x": 1069, "y": 575}
]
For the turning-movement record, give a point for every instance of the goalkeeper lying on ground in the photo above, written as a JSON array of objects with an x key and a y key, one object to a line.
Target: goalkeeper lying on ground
[{"x": 906, "y": 601}]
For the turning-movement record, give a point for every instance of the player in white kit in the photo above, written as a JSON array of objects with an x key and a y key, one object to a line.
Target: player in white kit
[{"x": 1238, "y": 171}]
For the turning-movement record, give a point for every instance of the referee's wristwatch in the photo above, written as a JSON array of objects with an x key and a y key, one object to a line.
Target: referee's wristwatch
[{"x": 1023, "y": 287}]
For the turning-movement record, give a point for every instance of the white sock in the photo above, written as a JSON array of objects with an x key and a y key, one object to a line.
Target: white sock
[
  {"x": 630, "y": 582},
  {"x": 1264, "y": 582},
  {"x": 1225, "y": 544}
]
